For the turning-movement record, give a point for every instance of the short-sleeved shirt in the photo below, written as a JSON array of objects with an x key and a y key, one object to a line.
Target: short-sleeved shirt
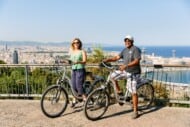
[{"x": 129, "y": 55}]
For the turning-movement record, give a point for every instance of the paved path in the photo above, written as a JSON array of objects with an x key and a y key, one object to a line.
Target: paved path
[{"x": 27, "y": 113}]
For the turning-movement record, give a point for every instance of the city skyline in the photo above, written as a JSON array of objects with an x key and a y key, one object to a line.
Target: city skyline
[{"x": 98, "y": 22}]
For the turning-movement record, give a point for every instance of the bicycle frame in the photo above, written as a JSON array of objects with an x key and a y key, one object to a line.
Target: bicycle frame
[
  {"x": 127, "y": 94},
  {"x": 65, "y": 78},
  {"x": 98, "y": 101}
]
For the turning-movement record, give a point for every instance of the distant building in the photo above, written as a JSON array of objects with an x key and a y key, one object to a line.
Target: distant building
[
  {"x": 143, "y": 55},
  {"x": 15, "y": 57},
  {"x": 173, "y": 53},
  {"x": 89, "y": 50},
  {"x": 6, "y": 47}
]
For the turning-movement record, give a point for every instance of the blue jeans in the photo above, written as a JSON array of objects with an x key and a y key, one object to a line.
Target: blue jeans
[{"x": 77, "y": 79}]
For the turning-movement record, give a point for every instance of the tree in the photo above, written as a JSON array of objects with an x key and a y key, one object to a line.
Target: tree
[
  {"x": 2, "y": 62},
  {"x": 97, "y": 55}
]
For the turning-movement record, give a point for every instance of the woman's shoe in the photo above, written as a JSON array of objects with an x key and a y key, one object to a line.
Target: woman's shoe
[{"x": 73, "y": 104}]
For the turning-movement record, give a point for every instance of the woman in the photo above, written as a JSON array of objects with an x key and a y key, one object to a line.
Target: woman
[{"x": 78, "y": 57}]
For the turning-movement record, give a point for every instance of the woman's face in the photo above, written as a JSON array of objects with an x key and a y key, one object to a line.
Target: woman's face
[{"x": 76, "y": 44}]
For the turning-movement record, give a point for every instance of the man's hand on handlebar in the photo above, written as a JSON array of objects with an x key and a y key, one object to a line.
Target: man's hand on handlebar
[
  {"x": 105, "y": 60},
  {"x": 122, "y": 67}
]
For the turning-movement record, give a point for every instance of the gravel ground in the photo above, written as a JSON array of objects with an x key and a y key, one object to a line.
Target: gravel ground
[{"x": 27, "y": 113}]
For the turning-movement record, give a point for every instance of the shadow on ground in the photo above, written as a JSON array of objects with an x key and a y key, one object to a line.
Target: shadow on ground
[{"x": 141, "y": 112}]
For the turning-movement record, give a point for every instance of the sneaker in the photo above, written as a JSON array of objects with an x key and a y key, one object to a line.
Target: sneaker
[
  {"x": 120, "y": 95},
  {"x": 121, "y": 103},
  {"x": 73, "y": 104},
  {"x": 121, "y": 98},
  {"x": 135, "y": 115},
  {"x": 127, "y": 99}
]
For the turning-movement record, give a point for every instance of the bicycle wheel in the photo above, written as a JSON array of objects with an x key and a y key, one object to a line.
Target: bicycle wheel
[
  {"x": 97, "y": 104},
  {"x": 54, "y": 101},
  {"x": 109, "y": 89},
  {"x": 145, "y": 96}
]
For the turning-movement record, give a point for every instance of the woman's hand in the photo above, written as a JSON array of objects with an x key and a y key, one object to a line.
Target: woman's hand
[{"x": 75, "y": 62}]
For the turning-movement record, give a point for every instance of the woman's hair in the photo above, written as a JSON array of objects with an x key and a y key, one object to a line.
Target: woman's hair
[{"x": 79, "y": 41}]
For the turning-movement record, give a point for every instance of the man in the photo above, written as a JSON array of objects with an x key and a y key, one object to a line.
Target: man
[{"x": 131, "y": 56}]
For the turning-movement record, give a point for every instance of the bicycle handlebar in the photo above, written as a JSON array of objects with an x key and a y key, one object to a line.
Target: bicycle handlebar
[
  {"x": 64, "y": 61},
  {"x": 108, "y": 66}
]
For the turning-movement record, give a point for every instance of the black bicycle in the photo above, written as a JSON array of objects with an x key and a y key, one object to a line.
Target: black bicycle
[
  {"x": 98, "y": 101},
  {"x": 55, "y": 98}
]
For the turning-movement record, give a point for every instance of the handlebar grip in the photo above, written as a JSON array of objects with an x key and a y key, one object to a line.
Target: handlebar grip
[
  {"x": 104, "y": 64},
  {"x": 63, "y": 61}
]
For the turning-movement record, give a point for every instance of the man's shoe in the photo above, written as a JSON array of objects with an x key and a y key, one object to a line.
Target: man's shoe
[
  {"x": 121, "y": 98},
  {"x": 120, "y": 95},
  {"x": 127, "y": 99},
  {"x": 135, "y": 115}
]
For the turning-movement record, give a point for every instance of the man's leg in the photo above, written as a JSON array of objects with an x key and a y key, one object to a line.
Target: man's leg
[
  {"x": 115, "y": 76},
  {"x": 135, "y": 102},
  {"x": 119, "y": 92},
  {"x": 135, "y": 96},
  {"x": 135, "y": 106},
  {"x": 117, "y": 87}
]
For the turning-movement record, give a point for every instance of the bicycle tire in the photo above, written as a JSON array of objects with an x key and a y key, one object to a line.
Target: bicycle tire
[
  {"x": 54, "y": 101},
  {"x": 97, "y": 83},
  {"x": 96, "y": 104},
  {"x": 145, "y": 94}
]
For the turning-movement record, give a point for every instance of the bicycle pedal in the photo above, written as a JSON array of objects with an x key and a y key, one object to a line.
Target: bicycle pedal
[
  {"x": 121, "y": 103},
  {"x": 121, "y": 98},
  {"x": 128, "y": 99}
]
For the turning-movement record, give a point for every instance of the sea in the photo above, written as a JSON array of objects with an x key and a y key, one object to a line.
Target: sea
[
  {"x": 163, "y": 51},
  {"x": 166, "y": 52}
]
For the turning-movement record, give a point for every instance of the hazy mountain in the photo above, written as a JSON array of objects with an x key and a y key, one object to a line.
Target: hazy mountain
[{"x": 32, "y": 43}]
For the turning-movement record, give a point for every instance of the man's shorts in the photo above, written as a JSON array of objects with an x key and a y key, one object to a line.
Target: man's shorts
[{"x": 131, "y": 79}]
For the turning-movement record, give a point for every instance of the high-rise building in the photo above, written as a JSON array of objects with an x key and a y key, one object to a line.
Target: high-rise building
[
  {"x": 6, "y": 47},
  {"x": 15, "y": 57}
]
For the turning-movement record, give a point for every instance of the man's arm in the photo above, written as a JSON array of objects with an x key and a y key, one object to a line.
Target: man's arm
[
  {"x": 112, "y": 59},
  {"x": 132, "y": 63}
]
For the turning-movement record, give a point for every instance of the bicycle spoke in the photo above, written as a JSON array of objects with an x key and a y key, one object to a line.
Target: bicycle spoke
[
  {"x": 54, "y": 102},
  {"x": 145, "y": 96},
  {"x": 96, "y": 105}
]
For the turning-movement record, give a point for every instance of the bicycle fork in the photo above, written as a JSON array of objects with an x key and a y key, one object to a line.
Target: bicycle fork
[{"x": 57, "y": 95}]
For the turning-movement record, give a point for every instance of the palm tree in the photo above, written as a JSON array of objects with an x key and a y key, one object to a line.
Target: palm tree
[{"x": 97, "y": 56}]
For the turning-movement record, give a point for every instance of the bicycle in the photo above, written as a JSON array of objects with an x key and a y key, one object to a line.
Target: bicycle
[
  {"x": 55, "y": 98},
  {"x": 98, "y": 101}
]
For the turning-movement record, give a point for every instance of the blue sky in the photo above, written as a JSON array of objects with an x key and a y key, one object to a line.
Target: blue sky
[{"x": 151, "y": 22}]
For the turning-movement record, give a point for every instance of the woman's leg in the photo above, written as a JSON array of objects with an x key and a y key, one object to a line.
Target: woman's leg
[
  {"x": 80, "y": 77},
  {"x": 73, "y": 80}
]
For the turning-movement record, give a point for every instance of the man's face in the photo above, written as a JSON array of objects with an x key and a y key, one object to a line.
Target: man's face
[{"x": 128, "y": 43}]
